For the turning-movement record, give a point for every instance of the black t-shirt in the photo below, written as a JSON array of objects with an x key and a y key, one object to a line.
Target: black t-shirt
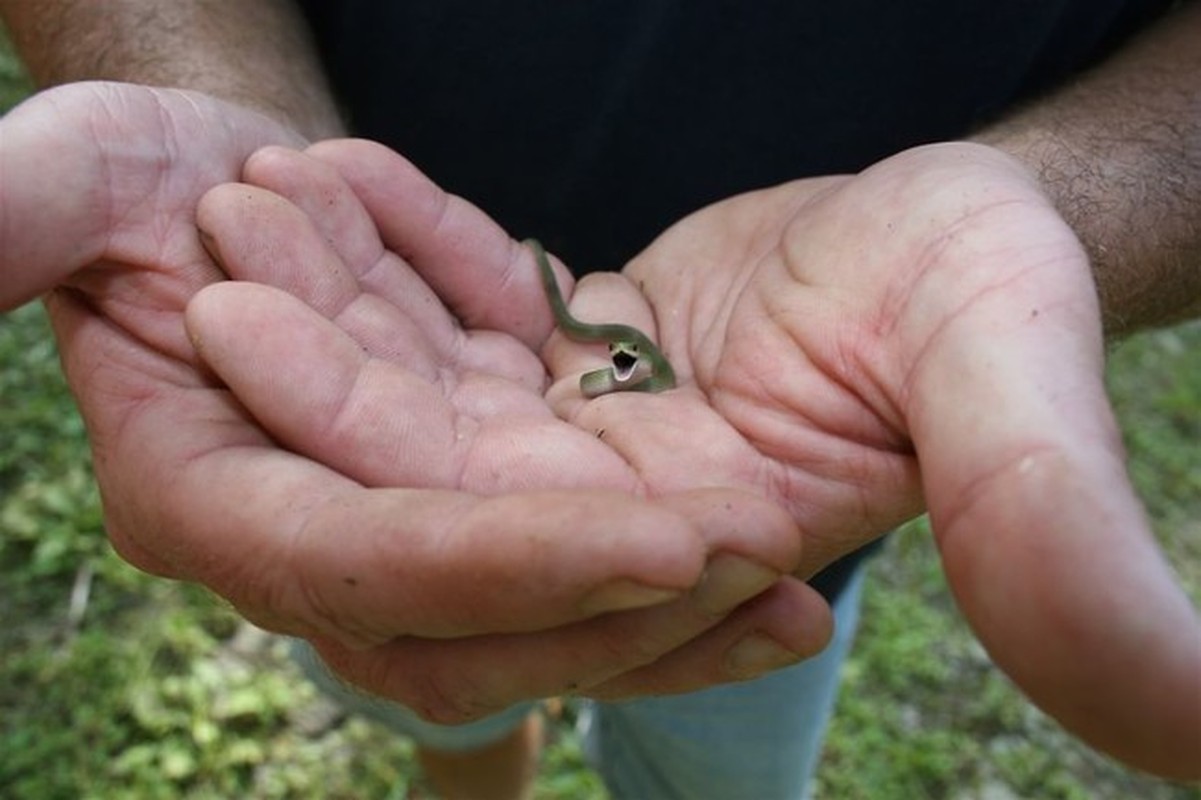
[{"x": 595, "y": 124}]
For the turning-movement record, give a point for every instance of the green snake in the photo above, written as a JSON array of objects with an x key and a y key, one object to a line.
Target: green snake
[{"x": 638, "y": 365}]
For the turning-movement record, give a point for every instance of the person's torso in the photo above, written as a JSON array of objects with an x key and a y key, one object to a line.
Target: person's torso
[{"x": 596, "y": 123}]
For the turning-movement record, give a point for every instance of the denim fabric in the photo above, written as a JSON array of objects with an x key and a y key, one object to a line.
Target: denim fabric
[{"x": 761, "y": 739}]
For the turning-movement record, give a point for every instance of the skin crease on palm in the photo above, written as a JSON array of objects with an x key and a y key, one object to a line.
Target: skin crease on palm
[
  {"x": 850, "y": 349},
  {"x": 822, "y": 373}
]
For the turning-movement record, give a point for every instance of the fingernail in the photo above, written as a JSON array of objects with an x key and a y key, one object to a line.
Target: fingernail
[
  {"x": 728, "y": 581},
  {"x": 757, "y": 654},
  {"x": 623, "y": 595}
]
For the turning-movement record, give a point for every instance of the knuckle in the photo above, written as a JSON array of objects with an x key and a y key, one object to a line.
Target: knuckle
[
  {"x": 447, "y": 697},
  {"x": 624, "y": 649}
]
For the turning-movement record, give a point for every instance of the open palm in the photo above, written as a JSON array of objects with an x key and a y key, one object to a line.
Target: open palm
[
  {"x": 858, "y": 348},
  {"x": 926, "y": 333}
]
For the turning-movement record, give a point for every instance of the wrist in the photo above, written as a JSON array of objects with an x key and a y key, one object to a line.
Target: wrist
[
  {"x": 1118, "y": 152},
  {"x": 257, "y": 55},
  {"x": 1131, "y": 207}
]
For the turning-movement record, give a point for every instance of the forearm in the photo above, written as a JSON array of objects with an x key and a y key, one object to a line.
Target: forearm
[
  {"x": 1119, "y": 152},
  {"x": 253, "y": 52}
]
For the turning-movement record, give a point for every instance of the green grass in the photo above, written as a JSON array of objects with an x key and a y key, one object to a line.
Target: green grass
[{"x": 154, "y": 689}]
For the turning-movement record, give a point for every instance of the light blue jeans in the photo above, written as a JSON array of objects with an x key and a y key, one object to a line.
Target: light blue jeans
[{"x": 760, "y": 739}]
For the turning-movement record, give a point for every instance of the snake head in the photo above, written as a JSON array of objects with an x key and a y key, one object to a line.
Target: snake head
[
  {"x": 626, "y": 358},
  {"x": 628, "y": 373}
]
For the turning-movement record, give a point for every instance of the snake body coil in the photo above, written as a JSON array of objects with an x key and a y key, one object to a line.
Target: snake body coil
[{"x": 638, "y": 364}]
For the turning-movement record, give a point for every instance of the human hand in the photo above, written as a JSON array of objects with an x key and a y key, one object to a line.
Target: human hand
[
  {"x": 856, "y": 347},
  {"x": 924, "y": 332},
  {"x": 98, "y": 207}
]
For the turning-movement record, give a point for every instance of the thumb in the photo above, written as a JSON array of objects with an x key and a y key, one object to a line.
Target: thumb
[
  {"x": 1044, "y": 541},
  {"x": 51, "y": 183},
  {"x": 92, "y": 170}
]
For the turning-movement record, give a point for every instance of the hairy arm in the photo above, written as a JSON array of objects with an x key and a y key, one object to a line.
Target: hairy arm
[
  {"x": 1119, "y": 152},
  {"x": 257, "y": 54}
]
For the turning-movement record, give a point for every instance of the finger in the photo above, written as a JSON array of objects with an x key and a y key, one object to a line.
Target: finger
[
  {"x": 461, "y": 679},
  {"x": 782, "y": 626},
  {"x": 1044, "y": 540},
  {"x": 52, "y": 183},
  {"x": 311, "y": 237},
  {"x": 262, "y": 237},
  {"x": 386, "y": 424},
  {"x": 488, "y": 280},
  {"x": 323, "y": 195},
  {"x": 578, "y": 553},
  {"x": 325, "y": 214},
  {"x": 259, "y": 236}
]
